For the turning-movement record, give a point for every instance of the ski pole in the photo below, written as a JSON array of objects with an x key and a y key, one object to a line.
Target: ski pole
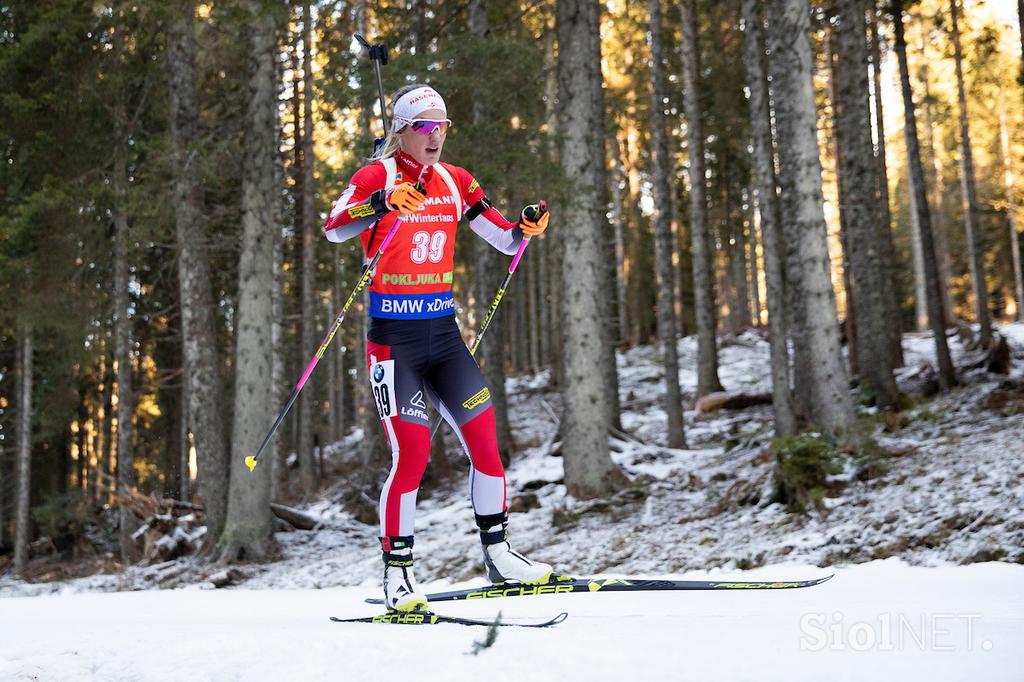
[
  {"x": 497, "y": 299},
  {"x": 250, "y": 461}
]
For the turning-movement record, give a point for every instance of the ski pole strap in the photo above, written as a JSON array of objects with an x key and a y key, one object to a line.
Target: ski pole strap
[{"x": 478, "y": 208}]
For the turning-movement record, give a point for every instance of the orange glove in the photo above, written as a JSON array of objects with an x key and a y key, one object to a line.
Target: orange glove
[
  {"x": 405, "y": 198},
  {"x": 534, "y": 219}
]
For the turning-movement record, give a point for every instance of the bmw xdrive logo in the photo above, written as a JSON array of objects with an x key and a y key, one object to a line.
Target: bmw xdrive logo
[{"x": 378, "y": 372}]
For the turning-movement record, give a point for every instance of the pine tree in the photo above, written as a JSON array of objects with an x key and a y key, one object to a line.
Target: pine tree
[
  {"x": 1011, "y": 215},
  {"x": 22, "y": 529},
  {"x": 204, "y": 392},
  {"x": 768, "y": 209},
  {"x": 663, "y": 241},
  {"x": 947, "y": 375},
  {"x": 489, "y": 276},
  {"x": 887, "y": 251},
  {"x": 308, "y": 421},
  {"x": 807, "y": 263},
  {"x": 932, "y": 136},
  {"x": 247, "y": 532},
  {"x": 703, "y": 270},
  {"x": 589, "y": 470},
  {"x": 856, "y": 165},
  {"x": 968, "y": 184}
]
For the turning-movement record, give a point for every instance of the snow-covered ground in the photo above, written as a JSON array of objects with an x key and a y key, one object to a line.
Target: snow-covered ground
[
  {"x": 931, "y": 545},
  {"x": 881, "y": 620}
]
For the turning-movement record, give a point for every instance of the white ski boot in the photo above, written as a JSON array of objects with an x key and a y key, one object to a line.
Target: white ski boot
[
  {"x": 401, "y": 593},
  {"x": 503, "y": 564}
]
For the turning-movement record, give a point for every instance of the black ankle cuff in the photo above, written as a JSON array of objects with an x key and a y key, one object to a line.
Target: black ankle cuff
[
  {"x": 493, "y": 537},
  {"x": 486, "y": 521},
  {"x": 397, "y": 559},
  {"x": 390, "y": 543}
]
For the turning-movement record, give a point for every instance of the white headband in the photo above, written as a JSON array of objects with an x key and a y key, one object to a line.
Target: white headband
[{"x": 415, "y": 102}]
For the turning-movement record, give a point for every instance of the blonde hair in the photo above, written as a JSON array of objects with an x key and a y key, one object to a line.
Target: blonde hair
[{"x": 390, "y": 146}]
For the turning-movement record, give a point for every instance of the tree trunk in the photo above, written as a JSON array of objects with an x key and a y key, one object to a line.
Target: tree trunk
[
  {"x": 887, "y": 250},
  {"x": 850, "y": 300},
  {"x": 185, "y": 482},
  {"x": 975, "y": 243},
  {"x": 247, "y": 532},
  {"x": 1020, "y": 23},
  {"x": 205, "y": 406},
  {"x": 552, "y": 272},
  {"x": 122, "y": 341},
  {"x": 663, "y": 243},
  {"x": 853, "y": 132},
  {"x": 22, "y": 527},
  {"x": 490, "y": 274},
  {"x": 947, "y": 375},
  {"x": 938, "y": 179},
  {"x": 917, "y": 251},
  {"x": 735, "y": 287},
  {"x": 589, "y": 470},
  {"x": 768, "y": 210},
  {"x": 279, "y": 390},
  {"x": 700, "y": 238},
  {"x": 1011, "y": 215},
  {"x": 617, "y": 193},
  {"x": 753, "y": 270},
  {"x": 97, "y": 418},
  {"x": 308, "y": 399},
  {"x": 804, "y": 219},
  {"x": 107, "y": 428},
  {"x": 4, "y": 478},
  {"x": 639, "y": 245}
]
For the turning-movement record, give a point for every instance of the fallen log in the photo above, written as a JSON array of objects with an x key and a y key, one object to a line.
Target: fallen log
[
  {"x": 296, "y": 518},
  {"x": 996, "y": 358},
  {"x": 723, "y": 400}
]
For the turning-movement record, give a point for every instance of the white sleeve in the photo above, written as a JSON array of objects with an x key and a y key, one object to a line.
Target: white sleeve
[{"x": 505, "y": 240}]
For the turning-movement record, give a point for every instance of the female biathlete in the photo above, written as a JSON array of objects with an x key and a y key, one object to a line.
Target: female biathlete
[{"x": 414, "y": 349}]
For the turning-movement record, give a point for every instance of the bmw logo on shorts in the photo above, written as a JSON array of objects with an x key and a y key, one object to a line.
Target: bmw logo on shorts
[{"x": 378, "y": 372}]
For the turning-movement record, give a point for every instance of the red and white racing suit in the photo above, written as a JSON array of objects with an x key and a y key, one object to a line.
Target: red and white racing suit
[{"x": 414, "y": 347}]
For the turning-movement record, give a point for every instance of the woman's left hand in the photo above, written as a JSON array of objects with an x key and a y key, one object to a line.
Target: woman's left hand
[{"x": 533, "y": 220}]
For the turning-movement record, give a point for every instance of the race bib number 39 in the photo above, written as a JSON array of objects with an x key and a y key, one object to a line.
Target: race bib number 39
[{"x": 382, "y": 381}]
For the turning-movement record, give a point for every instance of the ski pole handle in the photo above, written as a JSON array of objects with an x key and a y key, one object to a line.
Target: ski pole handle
[{"x": 532, "y": 214}]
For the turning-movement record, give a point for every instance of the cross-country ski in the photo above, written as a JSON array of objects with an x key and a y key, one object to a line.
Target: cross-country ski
[
  {"x": 430, "y": 618},
  {"x": 592, "y": 585}
]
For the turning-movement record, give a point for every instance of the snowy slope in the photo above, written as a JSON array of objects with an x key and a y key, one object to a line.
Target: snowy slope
[
  {"x": 881, "y": 620},
  {"x": 955, "y": 493}
]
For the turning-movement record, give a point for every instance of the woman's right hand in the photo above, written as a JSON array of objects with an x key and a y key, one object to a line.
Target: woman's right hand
[{"x": 405, "y": 198}]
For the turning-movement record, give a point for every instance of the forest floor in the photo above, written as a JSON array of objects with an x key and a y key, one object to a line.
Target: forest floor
[{"x": 946, "y": 487}]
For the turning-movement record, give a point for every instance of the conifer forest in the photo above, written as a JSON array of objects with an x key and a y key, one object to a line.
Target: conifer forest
[{"x": 776, "y": 318}]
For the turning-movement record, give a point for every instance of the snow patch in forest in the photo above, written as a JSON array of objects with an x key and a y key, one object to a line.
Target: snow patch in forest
[{"x": 953, "y": 494}]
